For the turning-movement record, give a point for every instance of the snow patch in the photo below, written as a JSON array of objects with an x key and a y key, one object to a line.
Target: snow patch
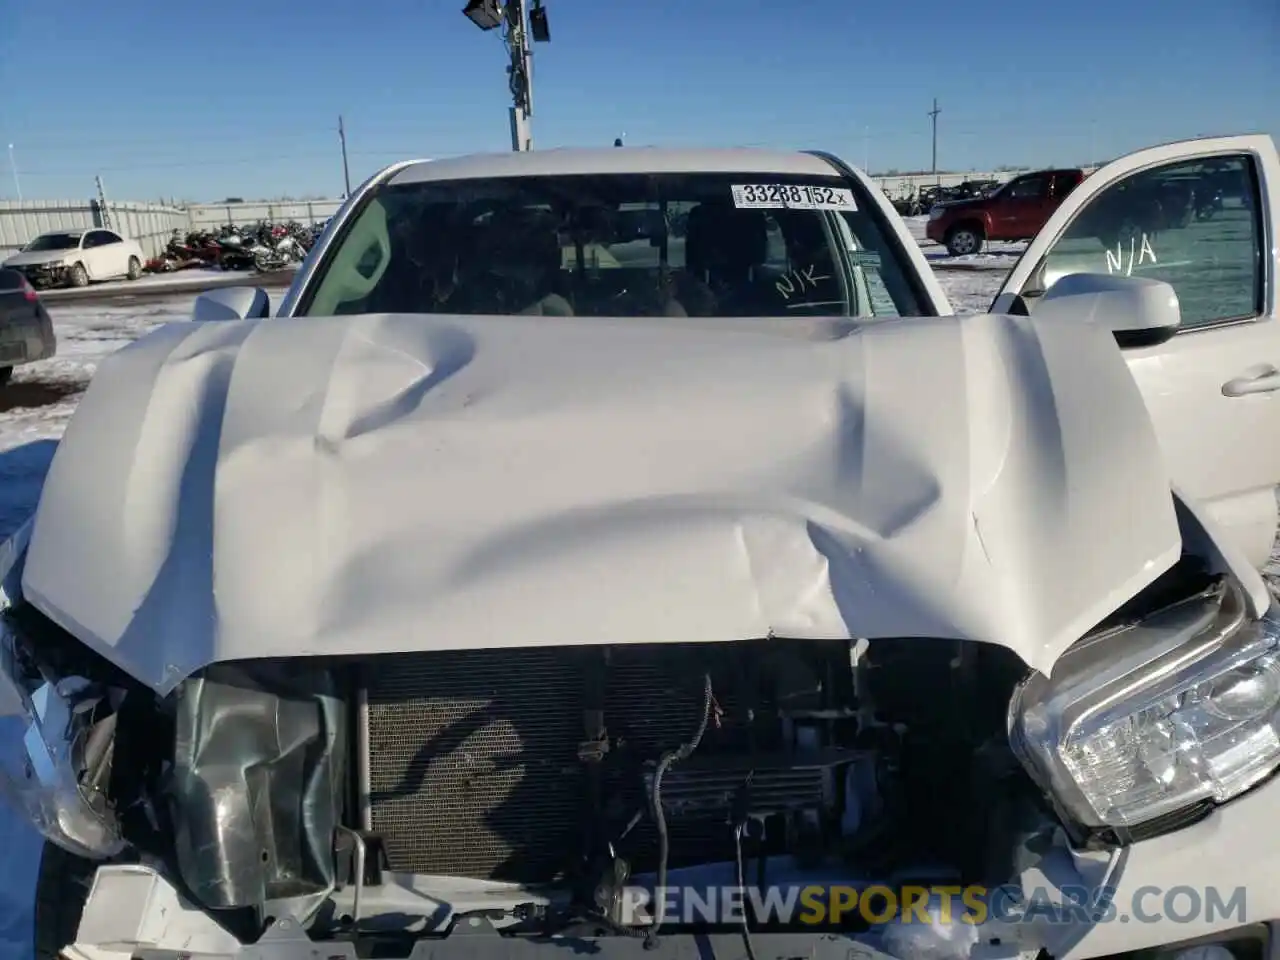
[{"x": 156, "y": 281}]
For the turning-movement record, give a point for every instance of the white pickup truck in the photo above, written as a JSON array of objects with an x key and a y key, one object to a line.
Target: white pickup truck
[{"x": 629, "y": 551}]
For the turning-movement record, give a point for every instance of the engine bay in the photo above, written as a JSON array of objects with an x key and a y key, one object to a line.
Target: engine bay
[
  {"x": 268, "y": 787},
  {"x": 550, "y": 765}
]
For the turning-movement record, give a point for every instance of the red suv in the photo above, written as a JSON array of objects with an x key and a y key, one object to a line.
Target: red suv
[{"x": 1015, "y": 211}]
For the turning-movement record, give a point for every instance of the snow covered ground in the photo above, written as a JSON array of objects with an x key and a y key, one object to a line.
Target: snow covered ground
[
  {"x": 35, "y": 408},
  {"x": 154, "y": 281}
]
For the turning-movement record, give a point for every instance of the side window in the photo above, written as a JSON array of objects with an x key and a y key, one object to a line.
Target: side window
[
  {"x": 1063, "y": 184},
  {"x": 106, "y": 236},
  {"x": 1029, "y": 188},
  {"x": 1191, "y": 224},
  {"x": 91, "y": 240}
]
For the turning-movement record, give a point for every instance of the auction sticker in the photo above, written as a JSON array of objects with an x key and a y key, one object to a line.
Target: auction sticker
[{"x": 791, "y": 196}]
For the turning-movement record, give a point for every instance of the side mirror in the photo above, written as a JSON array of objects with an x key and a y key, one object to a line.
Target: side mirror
[
  {"x": 232, "y": 303},
  {"x": 1139, "y": 311}
]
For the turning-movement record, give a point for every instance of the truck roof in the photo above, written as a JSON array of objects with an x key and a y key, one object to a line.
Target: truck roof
[{"x": 616, "y": 160}]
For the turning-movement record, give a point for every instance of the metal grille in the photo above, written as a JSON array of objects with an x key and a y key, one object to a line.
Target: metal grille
[
  {"x": 473, "y": 754},
  {"x": 473, "y": 767},
  {"x": 703, "y": 788}
]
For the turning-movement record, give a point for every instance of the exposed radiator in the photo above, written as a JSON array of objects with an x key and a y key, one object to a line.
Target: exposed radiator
[
  {"x": 473, "y": 755},
  {"x": 472, "y": 759}
]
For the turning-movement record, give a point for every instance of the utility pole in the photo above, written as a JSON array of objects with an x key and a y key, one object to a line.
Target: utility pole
[
  {"x": 13, "y": 167},
  {"x": 934, "y": 114},
  {"x": 491, "y": 14},
  {"x": 346, "y": 172},
  {"x": 520, "y": 75}
]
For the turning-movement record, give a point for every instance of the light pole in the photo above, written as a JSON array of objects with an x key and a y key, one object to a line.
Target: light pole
[
  {"x": 13, "y": 167},
  {"x": 491, "y": 14}
]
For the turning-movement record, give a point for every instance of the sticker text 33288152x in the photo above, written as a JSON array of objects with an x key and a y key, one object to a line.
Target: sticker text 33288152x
[{"x": 791, "y": 196}]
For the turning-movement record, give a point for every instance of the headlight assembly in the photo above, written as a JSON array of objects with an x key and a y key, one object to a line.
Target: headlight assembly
[
  {"x": 1154, "y": 718},
  {"x": 54, "y": 773}
]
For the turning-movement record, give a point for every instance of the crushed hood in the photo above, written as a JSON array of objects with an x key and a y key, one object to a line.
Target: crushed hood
[{"x": 371, "y": 484}]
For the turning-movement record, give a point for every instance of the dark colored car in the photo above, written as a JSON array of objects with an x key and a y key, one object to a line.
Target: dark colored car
[
  {"x": 1016, "y": 211},
  {"x": 26, "y": 330}
]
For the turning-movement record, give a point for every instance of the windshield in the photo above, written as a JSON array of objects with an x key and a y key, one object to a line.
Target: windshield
[
  {"x": 54, "y": 241},
  {"x": 677, "y": 245}
]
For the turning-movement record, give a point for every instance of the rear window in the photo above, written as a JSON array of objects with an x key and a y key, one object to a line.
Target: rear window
[
  {"x": 10, "y": 280},
  {"x": 676, "y": 245}
]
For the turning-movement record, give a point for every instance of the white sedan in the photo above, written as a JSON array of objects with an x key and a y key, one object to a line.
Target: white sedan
[{"x": 77, "y": 257}]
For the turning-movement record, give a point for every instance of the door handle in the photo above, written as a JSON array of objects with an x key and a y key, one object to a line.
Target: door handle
[{"x": 1267, "y": 381}]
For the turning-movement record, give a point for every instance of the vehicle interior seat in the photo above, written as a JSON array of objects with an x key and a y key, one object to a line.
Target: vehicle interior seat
[
  {"x": 515, "y": 267},
  {"x": 725, "y": 252}
]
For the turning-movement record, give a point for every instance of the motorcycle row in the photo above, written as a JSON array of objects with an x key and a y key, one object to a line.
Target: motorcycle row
[{"x": 265, "y": 247}]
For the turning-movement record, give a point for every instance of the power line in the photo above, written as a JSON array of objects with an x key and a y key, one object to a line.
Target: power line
[{"x": 182, "y": 165}]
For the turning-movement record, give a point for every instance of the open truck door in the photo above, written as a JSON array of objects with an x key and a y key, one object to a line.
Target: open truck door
[{"x": 1202, "y": 216}]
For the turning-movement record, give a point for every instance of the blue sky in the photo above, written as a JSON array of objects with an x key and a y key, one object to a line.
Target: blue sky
[{"x": 212, "y": 98}]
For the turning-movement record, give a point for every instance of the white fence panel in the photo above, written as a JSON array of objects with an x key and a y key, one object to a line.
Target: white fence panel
[
  {"x": 210, "y": 216},
  {"x": 149, "y": 224},
  {"x": 20, "y": 220}
]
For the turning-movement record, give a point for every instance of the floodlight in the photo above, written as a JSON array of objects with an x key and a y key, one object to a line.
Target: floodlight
[
  {"x": 485, "y": 14},
  {"x": 538, "y": 26}
]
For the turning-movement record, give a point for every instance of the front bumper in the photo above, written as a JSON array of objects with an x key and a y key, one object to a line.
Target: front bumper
[
  {"x": 44, "y": 275},
  {"x": 133, "y": 909}
]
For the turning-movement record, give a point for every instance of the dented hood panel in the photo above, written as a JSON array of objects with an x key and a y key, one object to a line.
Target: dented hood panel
[{"x": 398, "y": 483}]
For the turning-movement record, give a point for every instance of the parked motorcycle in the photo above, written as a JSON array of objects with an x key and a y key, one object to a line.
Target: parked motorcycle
[{"x": 263, "y": 246}]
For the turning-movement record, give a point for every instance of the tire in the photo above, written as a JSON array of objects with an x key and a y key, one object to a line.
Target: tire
[
  {"x": 964, "y": 239},
  {"x": 6, "y": 374},
  {"x": 135, "y": 269},
  {"x": 62, "y": 887},
  {"x": 78, "y": 276}
]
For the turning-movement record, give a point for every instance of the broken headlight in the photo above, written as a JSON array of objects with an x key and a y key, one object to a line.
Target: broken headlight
[
  {"x": 1157, "y": 717},
  {"x": 52, "y": 771}
]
